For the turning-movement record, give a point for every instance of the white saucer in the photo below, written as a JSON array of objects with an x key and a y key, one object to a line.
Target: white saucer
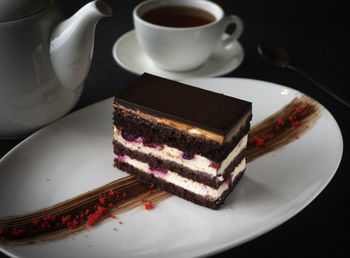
[{"x": 129, "y": 55}]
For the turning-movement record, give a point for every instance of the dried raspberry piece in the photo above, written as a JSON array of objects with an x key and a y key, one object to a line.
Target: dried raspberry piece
[
  {"x": 257, "y": 141},
  {"x": 295, "y": 123},
  {"x": 149, "y": 205},
  {"x": 17, "y": 232},
  {"x": 280, "y": 121},
  {"x": 50, "y": 218},
  {"x": 65, "y": 219},
  {"x": 102, "y": 199},
  {"x": 36, "y": 221}
]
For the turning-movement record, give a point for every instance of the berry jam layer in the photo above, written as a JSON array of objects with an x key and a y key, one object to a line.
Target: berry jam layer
[
  {"x": 178, "y": 185},
  {"x": 192, "y": 166}
]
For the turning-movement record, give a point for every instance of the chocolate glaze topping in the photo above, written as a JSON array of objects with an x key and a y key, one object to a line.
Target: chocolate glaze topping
[{"x": 180, "y": 102}]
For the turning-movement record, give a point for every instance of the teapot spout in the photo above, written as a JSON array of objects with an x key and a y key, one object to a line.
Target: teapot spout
[{"x": 72, "y": 43}]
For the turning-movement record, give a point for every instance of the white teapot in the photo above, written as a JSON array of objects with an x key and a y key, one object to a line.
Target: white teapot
[{"x": 43, "y": 61}]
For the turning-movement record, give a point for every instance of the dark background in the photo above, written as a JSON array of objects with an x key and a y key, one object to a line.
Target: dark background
[{"x": 317, "y": 36}]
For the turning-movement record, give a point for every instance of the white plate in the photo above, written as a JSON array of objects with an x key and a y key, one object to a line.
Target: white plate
[
  {"x": 129, "y": 55},
  {"x": 75, "y": 153}
]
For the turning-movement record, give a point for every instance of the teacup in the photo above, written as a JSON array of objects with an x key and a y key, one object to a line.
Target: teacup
[{"x": 184, "y": 43}]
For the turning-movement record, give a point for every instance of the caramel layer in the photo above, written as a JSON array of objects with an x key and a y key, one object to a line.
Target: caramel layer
[{"x": 186, "y": 128}]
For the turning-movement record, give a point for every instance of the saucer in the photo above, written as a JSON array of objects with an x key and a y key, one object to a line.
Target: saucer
[{"x": 128, "y": 54}]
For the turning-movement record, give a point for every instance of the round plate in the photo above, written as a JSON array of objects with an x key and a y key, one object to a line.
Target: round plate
[
  {"x": 76, "y": 155},
  {"x": 129, "y": 55}
]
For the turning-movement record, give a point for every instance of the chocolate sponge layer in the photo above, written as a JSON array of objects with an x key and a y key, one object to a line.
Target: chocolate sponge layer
[{"x": 163, "y": 134}]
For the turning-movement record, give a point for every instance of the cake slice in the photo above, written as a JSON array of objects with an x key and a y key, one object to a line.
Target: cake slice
[{"x": 185, "y": 140}]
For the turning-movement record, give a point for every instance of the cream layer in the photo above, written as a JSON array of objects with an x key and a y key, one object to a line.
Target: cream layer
[
  {"x": 197, "y": 163},
  {"x": 183, "y": 182}
]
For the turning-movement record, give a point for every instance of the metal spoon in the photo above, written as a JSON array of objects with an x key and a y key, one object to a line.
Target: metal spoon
[{"x": 279, "y": 57}]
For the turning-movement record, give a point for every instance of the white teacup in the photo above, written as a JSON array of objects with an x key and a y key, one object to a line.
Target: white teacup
[{"x": 183, "y": 48}]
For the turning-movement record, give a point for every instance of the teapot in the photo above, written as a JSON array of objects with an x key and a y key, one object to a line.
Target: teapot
[{"x": 44, "y": 61}]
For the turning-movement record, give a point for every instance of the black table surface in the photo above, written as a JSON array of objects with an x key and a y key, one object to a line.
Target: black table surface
[{"x": 317, "y": 36}]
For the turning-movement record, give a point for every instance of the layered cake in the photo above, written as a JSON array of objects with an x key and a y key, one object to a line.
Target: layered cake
[{"x": 185, "y": 140}]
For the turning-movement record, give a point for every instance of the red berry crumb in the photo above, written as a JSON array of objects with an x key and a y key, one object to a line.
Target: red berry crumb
[
  {"x": 102, "y": 199},
  {"x": 257, "y": 141},
  {"x": 65, "y": 219},
  {"x": 280, "y": 121},
  {"x": 36, "y": 221},
  {"x": 17, "y": 232},
  {"x": 295, "y": 123},
  {"x": 149, "y": 205}
]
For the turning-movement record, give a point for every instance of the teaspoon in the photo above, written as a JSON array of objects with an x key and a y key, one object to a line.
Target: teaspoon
[{"x": 279, "y": 57}]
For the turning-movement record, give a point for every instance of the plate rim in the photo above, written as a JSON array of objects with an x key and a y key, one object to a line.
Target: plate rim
[
  {"x": 272, "y": 226},
  {"x": 243, "y": 239}
]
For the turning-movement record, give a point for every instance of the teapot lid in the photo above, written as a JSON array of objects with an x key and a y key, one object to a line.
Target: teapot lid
[{"x": 16, "y": 9}]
